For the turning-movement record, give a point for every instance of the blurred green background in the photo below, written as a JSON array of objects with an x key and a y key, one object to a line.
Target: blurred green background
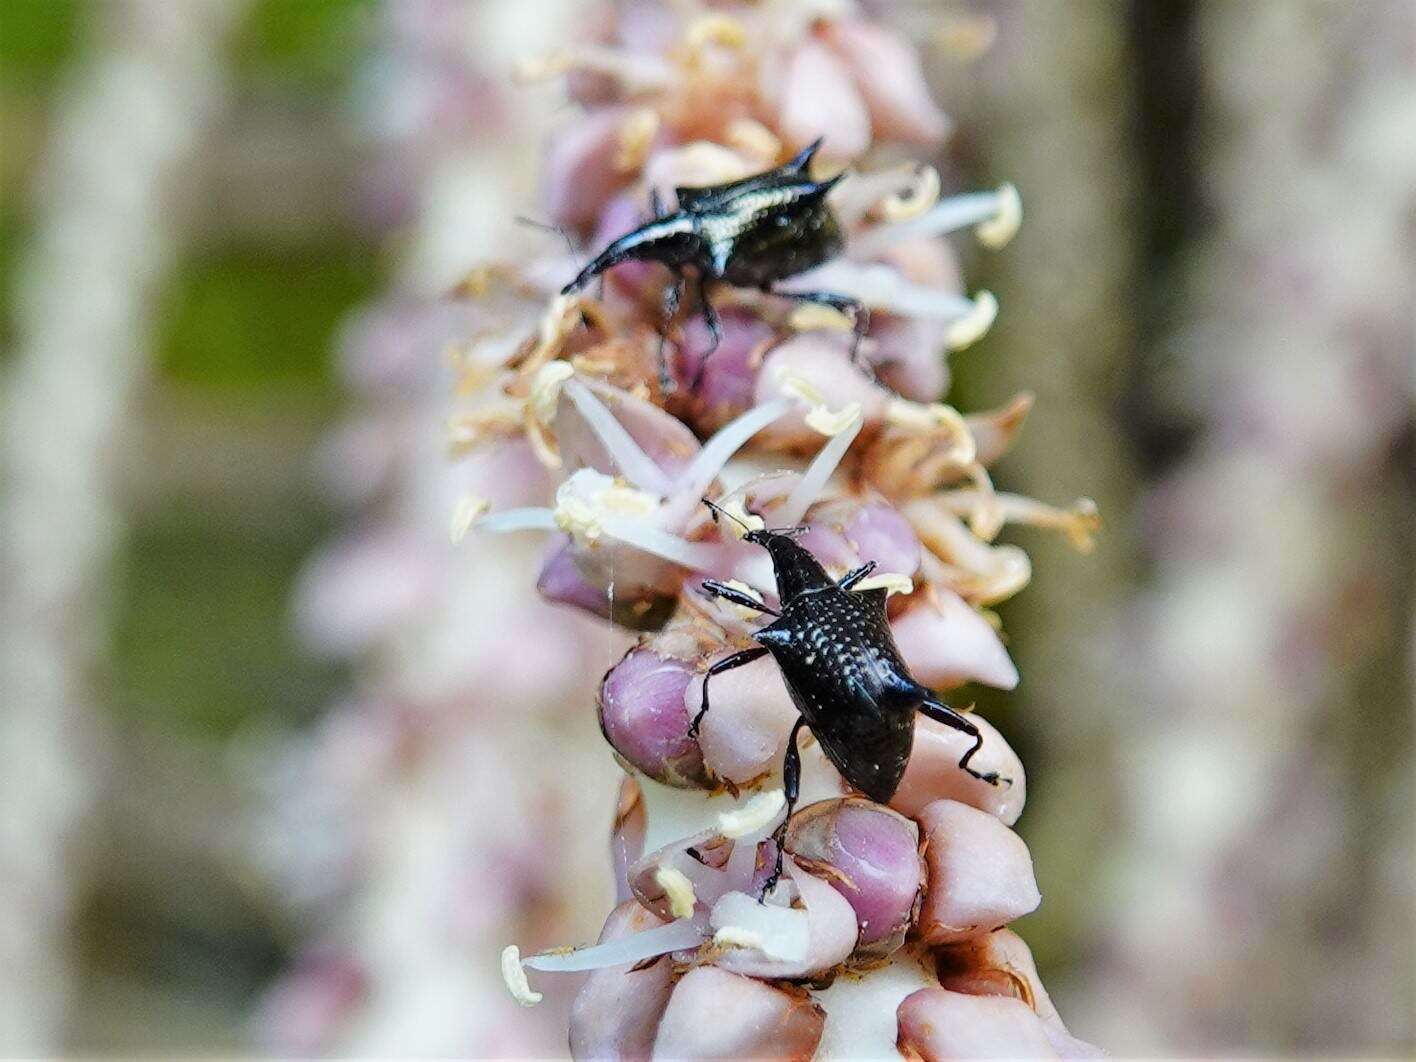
[{"x": 225, "y": 505}]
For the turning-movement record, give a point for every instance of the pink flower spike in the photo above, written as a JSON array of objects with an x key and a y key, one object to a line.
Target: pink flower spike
[{"x": 980, "y": 874}]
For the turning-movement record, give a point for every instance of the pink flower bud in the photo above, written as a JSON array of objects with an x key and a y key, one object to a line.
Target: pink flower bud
[
  {"x": 1000, "y": 964},
  {"x": 888, "y": 73},
  {"x": 938, "y": 1025},
  {"x": 616, "y": 1013},
  {"x": 638, "y": 608},
  {"x": 933, "y": 771},
  {"x": 715, "y": 1014},
  {"x": 980, "y": 873},
  {"x": 870, "y": 855},
  {"x": 746, "y": 728},
  {"x": 845, "y": 533},
  {"x": 643, "y": 715},
  {"x": 623, "y": 214},
  {"x": 579, "y": 174},
  {"x": 909, "y": 356},
  {"x": 947, "y": 643},
  {"x": 729, "y": 375},
  {"x": 819, "y": 100}
]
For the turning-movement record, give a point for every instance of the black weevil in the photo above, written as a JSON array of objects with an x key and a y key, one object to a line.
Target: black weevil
[
  {"x": 845, "y": 675},
  {"x": 749, "y": 233}
]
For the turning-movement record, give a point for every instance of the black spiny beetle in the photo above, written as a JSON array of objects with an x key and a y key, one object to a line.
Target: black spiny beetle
[
  {"x": 749, "y": 233},
  {"x": 845, "y": 675}
]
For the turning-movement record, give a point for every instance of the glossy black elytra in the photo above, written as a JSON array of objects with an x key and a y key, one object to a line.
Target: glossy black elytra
[
  {"x": 845, "y": 675},
  {"x": 749, "y": 233}
]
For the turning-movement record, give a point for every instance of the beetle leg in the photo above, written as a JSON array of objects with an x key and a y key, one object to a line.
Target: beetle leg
[
  {"x": 942, "y": 713},
  {"x": 715, "y": 328},
  {"x": 791, "y": 789},
  {"x": 855, "y": 575},
  {"x": 672, "y": 294},
  {"x": 713, "y": 588},
  {"x": 746, "y": 656},
  {"x": 656, "y": 204},
  {"x": 858, "y": 311}
]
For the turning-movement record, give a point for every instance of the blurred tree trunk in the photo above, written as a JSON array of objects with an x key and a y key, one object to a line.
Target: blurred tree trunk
[
  {"x": 1263, "y": 902},
  {"x": 1049, "y": 107}
]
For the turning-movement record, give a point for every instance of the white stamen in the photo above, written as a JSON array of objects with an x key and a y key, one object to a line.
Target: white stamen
[
  {"x": 752, "y": 137},
  {"x": 636, "y": 137},
  {"x": 819, "y": 472},
  {"x": 469, "y": 507},
  {"x": 927, "y": 418},
  {"x": 948, "y": 215},
  {"x": 998, "y": 230},
  {"x": 725, "y": 442},
  {"x": 975, "y": 324},
  {"x": 696, "y": 556},
  {"x": 627, "y": 455},
  {"x": 890, "y": 582},
  {"x": 631, "y": 949},
  {"x": 719, "y": 29},
  {"x": 518, "y": 520},
  {"x": 757, "y": 813},
  {"x": 678, "y": 889},
  {"x": 882, "y": 287},
  {"x": 514, "y": 974}
]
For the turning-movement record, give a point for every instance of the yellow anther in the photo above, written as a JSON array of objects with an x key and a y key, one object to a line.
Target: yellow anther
[
  {"x": 546, "y": 389},
  {"x": 636, "y": 137},
  {"x": 890, "y": 582},
  {"x": 974, "y": 325},
  {"x": 719, "y": 29},
  {"x": 915, "y": 200},
  {"x": 810, "y": 316},
  {"x": 998, "y": 230},
  {"x": 465, "y": 514}
]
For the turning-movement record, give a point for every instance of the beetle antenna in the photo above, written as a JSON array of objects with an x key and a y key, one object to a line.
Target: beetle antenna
[
  {"x": 718, "y": 510},
  {"x": 559, "y": 230}
]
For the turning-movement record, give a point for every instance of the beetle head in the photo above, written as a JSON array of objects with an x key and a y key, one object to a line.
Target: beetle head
[
  {"x": 794, "y": 566},
  {"x": 671, "y": 240}
]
